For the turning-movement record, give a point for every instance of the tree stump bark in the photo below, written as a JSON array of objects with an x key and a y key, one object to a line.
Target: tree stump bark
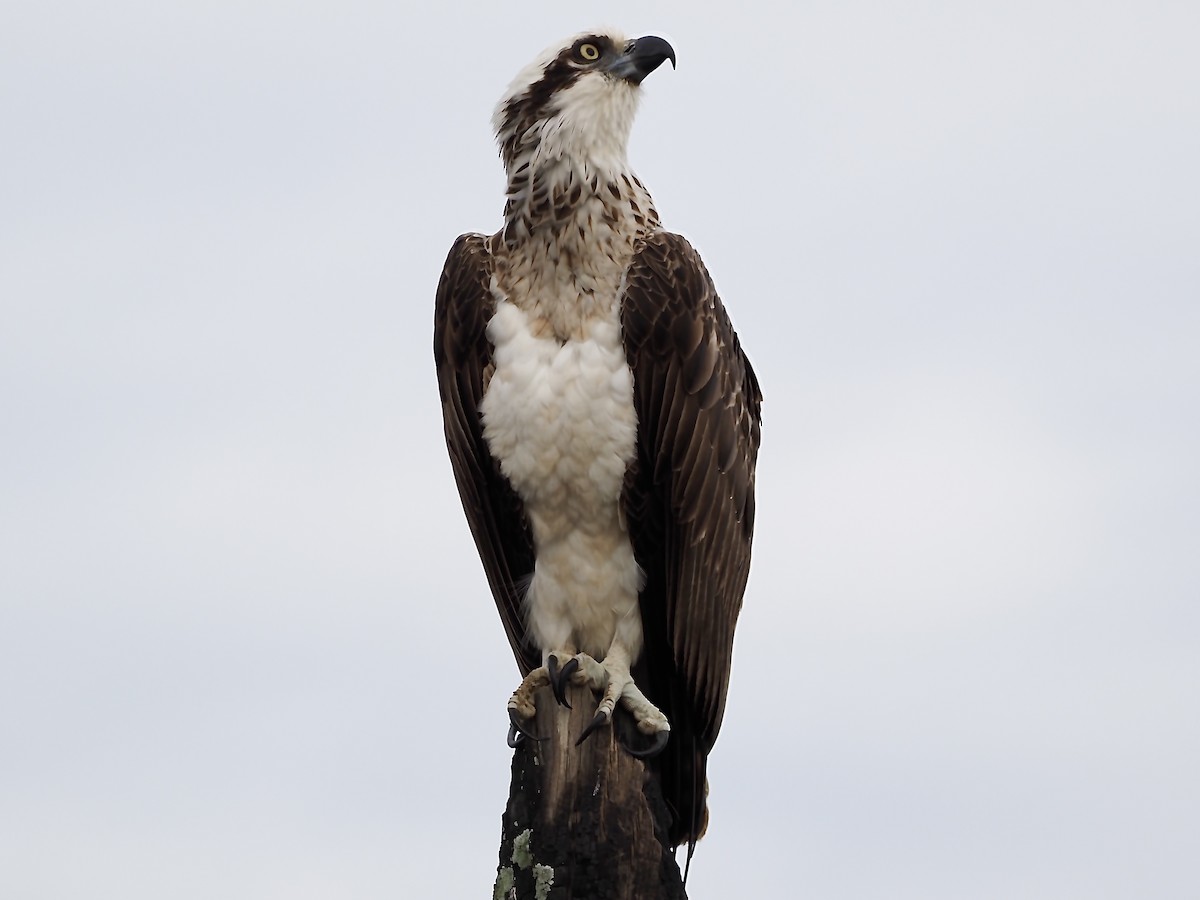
[{"x": 583, "y": 822}]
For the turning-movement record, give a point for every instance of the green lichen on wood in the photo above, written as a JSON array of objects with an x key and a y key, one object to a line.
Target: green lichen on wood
[
  {"x": 543, "y": 879},
  {"x": 522, "y": 855},
  {"x": 504, "y": 883}
]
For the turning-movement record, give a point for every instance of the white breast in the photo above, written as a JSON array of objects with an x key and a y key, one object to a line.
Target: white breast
[{"x": 559, "y": 417}]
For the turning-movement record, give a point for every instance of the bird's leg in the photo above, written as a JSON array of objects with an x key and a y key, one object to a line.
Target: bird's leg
[
  {"x": 613, "y": 679},
  {"x": 521, "y": 705}
]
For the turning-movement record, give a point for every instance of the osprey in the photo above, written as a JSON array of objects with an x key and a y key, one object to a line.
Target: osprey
[{"x": 602, "y": 422}]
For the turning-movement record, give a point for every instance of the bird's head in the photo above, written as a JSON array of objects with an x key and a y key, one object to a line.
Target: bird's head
[{"x": 576, "y": 101}]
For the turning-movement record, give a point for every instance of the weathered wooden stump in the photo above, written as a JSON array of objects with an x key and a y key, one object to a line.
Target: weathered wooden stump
[{"x": 583, "y": 822}]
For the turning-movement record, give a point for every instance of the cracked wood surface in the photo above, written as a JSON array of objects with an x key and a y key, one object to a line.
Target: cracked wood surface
[{"x": 587, "y": 821}]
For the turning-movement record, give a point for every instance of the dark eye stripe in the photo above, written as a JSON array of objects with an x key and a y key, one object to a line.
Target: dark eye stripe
[{"x": 523, "y": 111}]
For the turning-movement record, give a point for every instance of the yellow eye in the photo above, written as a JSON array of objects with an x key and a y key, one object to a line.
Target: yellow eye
[{"x": 589, "y": 52}]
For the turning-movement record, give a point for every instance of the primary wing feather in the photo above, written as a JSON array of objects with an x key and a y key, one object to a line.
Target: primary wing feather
[
  {"x": 689, "y": 496},
  {"x": 463, "y": 356}
]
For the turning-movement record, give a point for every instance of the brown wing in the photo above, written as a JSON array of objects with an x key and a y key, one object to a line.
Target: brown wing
[
  {"x": 689, "y": 500},
  {"x": 463, "y": 356}
]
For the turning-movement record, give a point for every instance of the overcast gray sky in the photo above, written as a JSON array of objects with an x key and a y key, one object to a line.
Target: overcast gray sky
[{"x": 246, "y": 648}]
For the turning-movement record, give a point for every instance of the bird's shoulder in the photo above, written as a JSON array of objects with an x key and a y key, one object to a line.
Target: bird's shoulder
[
  {"x": 468, "y": 266},
  {"x": 464, "y": 301},
  {"x": 666, "y": 281},
  {"x": 670, "y": 306}
]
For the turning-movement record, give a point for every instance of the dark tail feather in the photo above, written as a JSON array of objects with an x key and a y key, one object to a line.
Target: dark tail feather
[{"x": 684, "y": 782}]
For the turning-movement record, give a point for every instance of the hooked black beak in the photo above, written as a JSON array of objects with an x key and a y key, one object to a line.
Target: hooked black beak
[{"x": 641, "y": 57}]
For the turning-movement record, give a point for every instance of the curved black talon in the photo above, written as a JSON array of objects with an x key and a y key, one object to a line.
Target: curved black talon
[
  {"x": 660, "y": 743},
  {"x": 599, "y": 720},
  {"x": 517, "y": 727},
  {"x": 558, "y": 678},
  {"x": 552, "y": 672}
]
